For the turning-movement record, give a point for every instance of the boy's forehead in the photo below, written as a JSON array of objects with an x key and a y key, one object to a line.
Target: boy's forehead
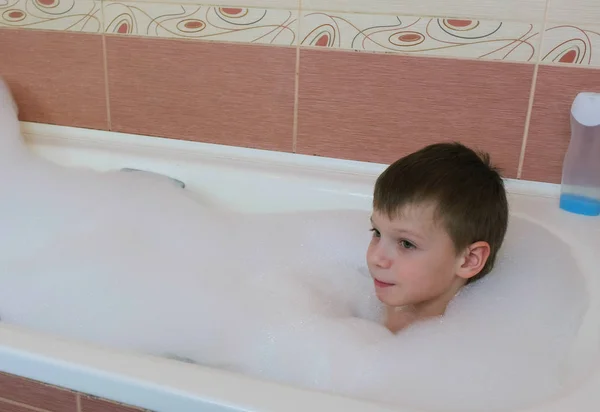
[{"x": 413, "y": 216}]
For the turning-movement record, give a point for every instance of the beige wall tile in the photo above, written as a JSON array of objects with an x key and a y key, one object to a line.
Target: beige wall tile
[
  {"x": 234, "y": 24},
  {"x": 574, "y": 11},
  {"x": 67, "y": 15},
  {"x": 468, "y": 38},
  {"x": 570, "y": 44},
  {"x": 531, "y": 11}
]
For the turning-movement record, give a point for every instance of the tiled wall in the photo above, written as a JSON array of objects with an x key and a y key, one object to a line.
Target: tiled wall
[
  {"x": 357, "y": 79},
  {"x": 24, "y": 395}
]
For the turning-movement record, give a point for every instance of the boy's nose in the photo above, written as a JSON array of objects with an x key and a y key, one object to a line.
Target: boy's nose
[{"x": 379, "y": 258}]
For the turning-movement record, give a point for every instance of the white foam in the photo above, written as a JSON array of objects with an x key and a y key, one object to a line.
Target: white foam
[{"x": 134, "y": 262}]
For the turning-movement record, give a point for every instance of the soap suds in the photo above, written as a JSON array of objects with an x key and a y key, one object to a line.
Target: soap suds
[{"x": 133, "y": 262}]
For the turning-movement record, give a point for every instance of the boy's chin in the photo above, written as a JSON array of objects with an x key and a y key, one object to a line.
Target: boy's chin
[{"x": 387, "y": 300}]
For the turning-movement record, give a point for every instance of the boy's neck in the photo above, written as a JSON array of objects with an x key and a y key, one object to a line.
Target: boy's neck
[{"x": 399, "y": 317}]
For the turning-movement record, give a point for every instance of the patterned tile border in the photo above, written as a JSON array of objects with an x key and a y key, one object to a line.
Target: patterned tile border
[
  {"x": 449, "y": 37},
  {"x": 568, "y": 44},
  {"x": 235, "y": 24},
  {"x": 65, "y": 15},
  {"x": 500, "y": 10},
  {"x": 452, "y": 37},
  {"x": 257, "y": 4}
]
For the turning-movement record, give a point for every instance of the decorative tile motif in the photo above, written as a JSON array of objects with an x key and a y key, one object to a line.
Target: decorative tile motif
[
  {"x": 276, "y": 4},
  {"x": 514, "y": 10},
  {"x": 451, "y": 37},
  {"x": 571, "y": 45},
  {"x": 66, "y": 15},
  {"x": 234, "y": 24}
]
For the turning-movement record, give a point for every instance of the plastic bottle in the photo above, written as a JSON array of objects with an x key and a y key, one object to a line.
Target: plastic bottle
[{"x": 580, "y": 186}]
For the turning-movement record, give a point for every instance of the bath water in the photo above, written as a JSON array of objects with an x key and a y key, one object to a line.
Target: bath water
[{"x": 132, "y": 261}]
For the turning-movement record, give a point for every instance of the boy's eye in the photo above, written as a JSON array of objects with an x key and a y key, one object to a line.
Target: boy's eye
[
  {"x": 405, "y": 244},
  {"x": 376, "y": 232}
]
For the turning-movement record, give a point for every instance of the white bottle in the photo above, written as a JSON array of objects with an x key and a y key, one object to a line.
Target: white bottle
[{"x": 580, "y": 186}]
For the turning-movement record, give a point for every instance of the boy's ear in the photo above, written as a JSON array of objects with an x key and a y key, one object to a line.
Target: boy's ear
[{"x": 474, "y": 259}]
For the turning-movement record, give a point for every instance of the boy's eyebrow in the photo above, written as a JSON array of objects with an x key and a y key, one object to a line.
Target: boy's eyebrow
[
  {"x": 400, "y": 231},
  {"x": 408, "y": 232}
]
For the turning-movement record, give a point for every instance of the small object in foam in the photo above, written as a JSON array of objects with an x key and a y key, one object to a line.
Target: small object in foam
[
  {"x": 179, "y": 358},
  {"x": 176, "y": 181}
]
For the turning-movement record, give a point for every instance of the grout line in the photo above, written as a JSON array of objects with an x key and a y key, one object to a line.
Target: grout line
[
  {"x": 105, "y": 63},
  {"x": 106, "y": 88},
  {"x": 571, "y": 65},
  {"x": 527, "y": 121},
  {"x": 532, "y": 95},
  {"x": 22, "y": 405},
  {"x": 296, "y": 81},
  {"x": 78, "y": 400},
  {"x": 296, "y": 88}
]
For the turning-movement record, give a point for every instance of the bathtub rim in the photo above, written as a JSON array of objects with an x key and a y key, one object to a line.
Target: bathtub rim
[
  {"x": 150, "y": 382},
  {"x": 66, "y": 137}
]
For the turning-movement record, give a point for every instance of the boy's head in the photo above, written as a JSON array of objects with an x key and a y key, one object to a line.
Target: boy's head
[{"x": 439, "y": 218}]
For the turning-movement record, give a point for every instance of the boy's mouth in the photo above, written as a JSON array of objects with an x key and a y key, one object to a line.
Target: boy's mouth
[{"x": 380, "y": 284}]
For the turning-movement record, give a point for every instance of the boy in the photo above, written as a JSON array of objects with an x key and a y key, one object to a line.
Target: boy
[{"x": 439, "y": 217}]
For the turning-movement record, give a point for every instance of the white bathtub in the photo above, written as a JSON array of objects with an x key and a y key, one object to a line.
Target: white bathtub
[{"x": 254, "y": 180}]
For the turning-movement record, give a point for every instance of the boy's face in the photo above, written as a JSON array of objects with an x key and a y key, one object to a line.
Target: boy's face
[{"x": 411, "y": 258}]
